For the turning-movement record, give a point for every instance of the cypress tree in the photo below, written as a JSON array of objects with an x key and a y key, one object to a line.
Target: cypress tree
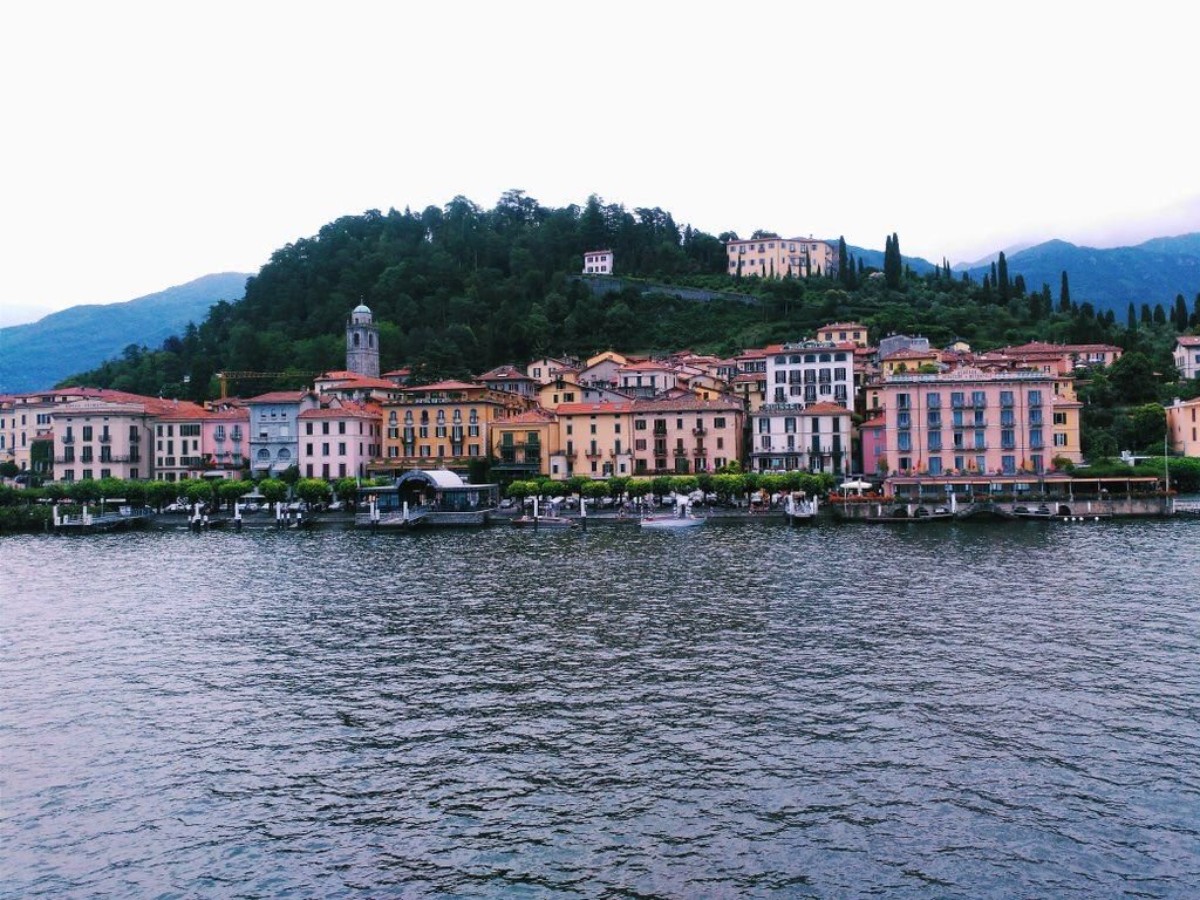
[
  {"x": 1180, "y": 314},
  {"x": 1064, "y": 294},
  {"x": 1160, "y": 315},
  {"x": 860, "y": 266},
  {"x": 1195, "y": 320},
  {"x": 1131, "y": 319},
  {"x": 844, "y": 271},
  {"x": 1002, "y": 278},
  {"x": 995, "y": 276},
  {"x": 1147, "y": 318},
  {"x": 1019, "y": 285}
]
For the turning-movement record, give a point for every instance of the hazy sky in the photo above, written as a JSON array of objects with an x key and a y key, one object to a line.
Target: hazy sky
[{"x": 151, "y": 143}]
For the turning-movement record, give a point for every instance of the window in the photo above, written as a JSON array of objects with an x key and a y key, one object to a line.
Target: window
[
  {"x": 904, "y": 442},
  {"x": 935, "y": 465},
  {"x": 1008, "y": 465},
  {"x": 1060, "y": 440}
]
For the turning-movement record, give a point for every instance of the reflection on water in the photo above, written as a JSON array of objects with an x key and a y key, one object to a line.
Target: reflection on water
[{"x": 737, "y": 710}]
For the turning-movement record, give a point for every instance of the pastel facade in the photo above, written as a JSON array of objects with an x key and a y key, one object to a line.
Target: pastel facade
[
  {"x": 685, "y": 434},
  {"x": 910, "y": 360},
  {"x": 810, "y": 372},
  {"x": 780, "y": 257},
  {"x": 569, "y": 390},
  {"x": 179, "y": 450},
  {"x": 339, "y": 441},
  {"x": 444, "y": 424},
  {"x": 274, "y": 443},
  {"x": 813, "y": 438},
  {"x": 1187, "y": 356},
  {"x": 98, "y": 438},
  {"x": 549, "y": 369},
  {"x": 225, "y": 441},
  {"x": 872, "y": 438},
  {"x": 601, "y": 369},
  {"x": 598, "y": 262},
  {"x": 1183, "y": 426},
  {"x": 594, "y": 439},
  {"x": 1061, "y": 359},
  {"x": 841, "y": 332},
  {"x": 646, "y": 379},
  {"x": 523, "y": 444},
  {"x": 968, "y": 421}
]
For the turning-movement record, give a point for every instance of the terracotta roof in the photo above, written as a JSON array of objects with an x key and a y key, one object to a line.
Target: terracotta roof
[
  {"x": 877, "y": 422},
  {"x": 360, "y": 381},
  {"x": 579, "y": 409},
  {"x": 689, "y": 402},
  {"x": 506, "y": 372},
  {"x": 346, "y": 412},
  {"x": 230, "y": 415},
  {"x": 646, "y": 367},
  {"x": 913, "y": 354},
  {"x": 279, "y": 397},
  {"x": 442, "y": 386},
  {"x": 529, "y": 417},
  {"x": 824, "y": 409},
  {"x": 1189, "y": 340},
  {"x": 843, "y": 325}
]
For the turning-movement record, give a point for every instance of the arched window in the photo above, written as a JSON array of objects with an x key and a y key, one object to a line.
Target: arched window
[
  {"x": 441, "y": 416},
  {"x": 408, "y": 417},
  {"x": 285, "y": 454},
  {"x": 371, "y": 340},
  {"x": 356, "y": 338},
  {"x": 392, "y": 417},
  {"x": 264, "y": 454}
]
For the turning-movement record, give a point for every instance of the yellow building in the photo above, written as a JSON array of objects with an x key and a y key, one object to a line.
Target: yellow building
[
  {"x": 523, "y": 444},
  {"x": 445, "y": 424},
  {"x": 841, "y": 332},
  {"x": 594, "y": 439},
  {"x": 909, "y": 361},
  {"x": 686, "y": 435},
  {"x": 779, "y": 257}
]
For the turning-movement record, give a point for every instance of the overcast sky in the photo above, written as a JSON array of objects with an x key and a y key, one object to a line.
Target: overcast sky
[{"x": 150, "y": 143}]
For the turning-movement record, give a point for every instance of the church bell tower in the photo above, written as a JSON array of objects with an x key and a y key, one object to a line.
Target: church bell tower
[{"x": 362, "y": 343}]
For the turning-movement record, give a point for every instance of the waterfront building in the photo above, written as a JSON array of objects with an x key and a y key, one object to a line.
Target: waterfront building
[
  {"x": 274, "y": 443},
  {"x": 969, "y": 421},
  {"x": 444, "y": 424},
  {"x": 872, "y": 439},
  {"x": 685, "y": 434},
  {"x": 841, "y": 332},
  {"x": 339, "y": 441},
  {"x": 26, "y": 422},
  {"x": 1187, "y": 356},
  {"x": 179, "y": 450},
  {"x": 775, "y": 257},
  {"x": 224, "y": 440},
  {"x": 598, "y": 262},
  {"x": 362, "y": 342},
  {"x": 788, "y": 436},
  {"x": 523, "y": 444},
  {"x": 1183, "y": 426},
  {"x": 511, "y": 379},
  {"x": 594, "y": 439},
  {"x": 809, "y": 372},
  {"x": 110, "y": 437}
]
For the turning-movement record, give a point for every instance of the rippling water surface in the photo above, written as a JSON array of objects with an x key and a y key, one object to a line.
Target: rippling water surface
[{"x": 738, "y": 711}]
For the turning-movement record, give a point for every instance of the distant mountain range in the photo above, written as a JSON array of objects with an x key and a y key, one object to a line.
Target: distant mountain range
[
  {"x": 1151, "y": 272},
  {"x": 874, "y": 259},
  {"x": 42, "y": 353}
]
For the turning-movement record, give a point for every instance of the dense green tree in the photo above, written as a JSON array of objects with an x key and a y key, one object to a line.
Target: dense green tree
[{"x": 1064, "y": 294}]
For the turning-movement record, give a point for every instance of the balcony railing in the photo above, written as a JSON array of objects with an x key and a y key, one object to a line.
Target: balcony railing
[
  {"x": 593, "y": 453},
  {"x": 68, "y": 438},
  {"x": 700, "y": 431},
  {"x": 700, "y": 451},
  {"x": 105, "y": 439},
  {"x": 679, "y": 451}
]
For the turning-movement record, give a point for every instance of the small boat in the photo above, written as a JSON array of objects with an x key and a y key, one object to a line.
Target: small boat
[
  {"x": 670, "y": 523},
  {"x": 798, "y": 509},
  {"x": 544, "y": 522}
]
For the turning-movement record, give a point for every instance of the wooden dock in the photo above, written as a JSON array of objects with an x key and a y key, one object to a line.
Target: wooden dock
[{"x": 87, "y": 522}]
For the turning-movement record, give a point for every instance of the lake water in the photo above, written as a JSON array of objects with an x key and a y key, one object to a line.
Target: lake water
[{"x": 741, "y": 710}]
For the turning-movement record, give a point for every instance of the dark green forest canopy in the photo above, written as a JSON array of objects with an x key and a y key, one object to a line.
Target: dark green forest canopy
[{"x": 459, "y": 289}]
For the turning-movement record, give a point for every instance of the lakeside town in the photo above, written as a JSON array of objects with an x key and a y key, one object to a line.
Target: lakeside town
[{"x": 890, "y": 413}]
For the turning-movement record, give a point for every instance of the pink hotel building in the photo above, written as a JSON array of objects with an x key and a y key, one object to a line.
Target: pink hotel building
[{"x": 968, "y": 422}]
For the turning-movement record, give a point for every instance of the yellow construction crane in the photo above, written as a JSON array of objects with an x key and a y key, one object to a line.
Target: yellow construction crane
[{"x": 225, "y": 377}]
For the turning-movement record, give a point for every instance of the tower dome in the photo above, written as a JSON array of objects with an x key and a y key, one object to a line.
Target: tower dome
[{"x": 362, "y": 342}]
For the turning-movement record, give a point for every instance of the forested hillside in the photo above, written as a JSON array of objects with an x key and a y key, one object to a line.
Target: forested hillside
[{"x": 459, "y": 289}]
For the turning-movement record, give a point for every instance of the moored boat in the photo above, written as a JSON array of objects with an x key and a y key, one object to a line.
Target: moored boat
[{"x": 544, "y": 522}]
